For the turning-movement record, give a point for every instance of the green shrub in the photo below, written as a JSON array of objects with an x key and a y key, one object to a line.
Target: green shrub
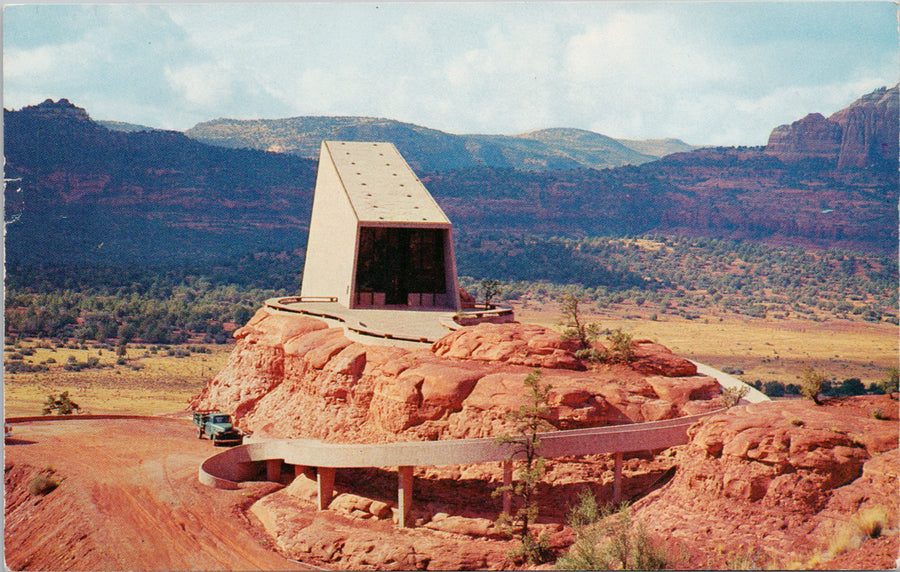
[
  {"x": 490, "y": 290},
  {"x": 871, "y": 522},
  {"x": 41, "y": 485},
  {"x": 615, "y": 543},
  {"x": 621, "y": 347},
  {"x": 529, "y": 420},
  {"x": 62, "y": 405},
  {"x": 891, "y": 384},
  {"x": 574, "y": 326},
  {"x": 747, "y": 560},
  {"x": 589, "y": 354},
  {"x": 586, "y": 512},
  {"x": 732, "y": 395},
  {"x": 812, "y": 383},
  {"x": 773, "y": 388}
]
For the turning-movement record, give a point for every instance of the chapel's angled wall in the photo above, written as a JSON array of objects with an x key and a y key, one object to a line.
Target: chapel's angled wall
[{"x": 331, "y": 248}]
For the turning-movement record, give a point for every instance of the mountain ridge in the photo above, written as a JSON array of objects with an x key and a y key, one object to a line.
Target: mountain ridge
[
  {"x": 429, "y": 149},
  {"x": 86, "y": 193}
]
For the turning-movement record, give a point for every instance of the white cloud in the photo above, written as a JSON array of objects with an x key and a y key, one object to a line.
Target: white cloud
[
  {"x": 56, "y": 63},
  {"x": 201, "y": 85},
  {"x": 700, "y": 71}
]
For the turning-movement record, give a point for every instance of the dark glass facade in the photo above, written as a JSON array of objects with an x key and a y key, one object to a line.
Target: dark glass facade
[{"x": 401, "y": 261}]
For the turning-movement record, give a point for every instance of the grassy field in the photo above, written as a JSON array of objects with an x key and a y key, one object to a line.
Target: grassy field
[
  {"x": 148, "y": 383},
  {"x": 767, "y": 350}
]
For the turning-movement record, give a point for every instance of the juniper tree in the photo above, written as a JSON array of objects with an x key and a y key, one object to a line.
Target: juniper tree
[
  {"x": 812, "y": 383},
  {"x": 530, "y": 420},
  {"x": 490, "y": 289},
  {"x": 573, "y": 323}
]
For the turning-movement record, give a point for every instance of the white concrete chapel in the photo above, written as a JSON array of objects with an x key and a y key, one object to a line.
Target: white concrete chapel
[{"x": 377, "y": 238}]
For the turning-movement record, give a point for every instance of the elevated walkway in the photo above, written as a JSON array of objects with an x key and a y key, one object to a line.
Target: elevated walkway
[
  {"x": 397, "y": 326},
  {"x": 227, "y": 469}
]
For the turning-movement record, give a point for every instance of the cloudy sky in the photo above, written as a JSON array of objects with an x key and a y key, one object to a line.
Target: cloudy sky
[{"x": 721, "y": 73}]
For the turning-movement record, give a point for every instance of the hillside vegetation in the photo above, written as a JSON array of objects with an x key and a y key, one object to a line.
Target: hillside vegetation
[
  {"x": 79, "y": 191},
  {"x": 679, "y": 277},
  {"x": 168, "y": 237},
  {"x": 432, "y": 150},
  {"x": 684, "y": 276}
]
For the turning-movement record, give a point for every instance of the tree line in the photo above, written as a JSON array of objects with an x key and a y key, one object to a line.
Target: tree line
[
  {"x": 664, "y": 275},
  {"x": 681, "y": 275}
]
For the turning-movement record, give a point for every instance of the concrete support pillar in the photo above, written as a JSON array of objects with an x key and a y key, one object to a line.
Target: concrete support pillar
[
  {"x": 325, "y": 488},
  {"x": 404, "y": 494},
  {"x": 617, "y": 479},
  {"x": 299, "y": 471},
  {"x": 273, "y": 470},
  {"x": 507, "y": 484}
]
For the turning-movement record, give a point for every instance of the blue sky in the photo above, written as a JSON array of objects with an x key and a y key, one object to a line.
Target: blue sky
[{"x": 722, "y": 73}]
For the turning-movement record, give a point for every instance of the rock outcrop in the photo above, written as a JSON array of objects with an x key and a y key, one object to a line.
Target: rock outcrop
[
  {"x": 773, "y": 480},
  {"x": 812, "y": 136},
  {"x": 779, "y": 477},
  {"x": 861, "y": 135},
  {"x": 293, "y": 376}
]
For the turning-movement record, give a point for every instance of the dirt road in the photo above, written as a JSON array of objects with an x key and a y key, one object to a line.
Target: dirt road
[{"x": 128, "y": 499}]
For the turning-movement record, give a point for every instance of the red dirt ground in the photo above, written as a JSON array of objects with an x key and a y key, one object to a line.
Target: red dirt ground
[{"x": 128, "y": 499}]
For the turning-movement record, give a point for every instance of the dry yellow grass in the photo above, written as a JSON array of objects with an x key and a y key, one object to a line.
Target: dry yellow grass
[
  {"x": 162, "y": 384},
  {"x": 766, "y": 350}
]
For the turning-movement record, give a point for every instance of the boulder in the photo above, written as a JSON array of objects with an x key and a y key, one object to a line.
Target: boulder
[
  {"x": 780, "y": 478},
  {"x": 276, "y": 329},
  {"x": 522, "y": 344},
  {"x": 655, "y": 359},
  {"x": 680, "y": 390}
]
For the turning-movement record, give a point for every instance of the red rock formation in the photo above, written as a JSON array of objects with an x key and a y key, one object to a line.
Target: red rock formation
[
  {"x": 870, "y": 129},
  {"x": 776, "y": 480},
  {"x": 812, "y": 136},
  {"x": 778, "y": 477},
  {"x": 862, "y": 134},
  {"x": 293, "y": 376}
]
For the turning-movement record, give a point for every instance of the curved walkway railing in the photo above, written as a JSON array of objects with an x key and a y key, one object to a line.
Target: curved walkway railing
[
  {"x": 227, "y": 469},
  {"x": 590, "y": 441}
]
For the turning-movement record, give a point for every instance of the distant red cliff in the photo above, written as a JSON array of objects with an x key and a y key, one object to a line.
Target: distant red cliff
[{"x": 860, "y": 135}]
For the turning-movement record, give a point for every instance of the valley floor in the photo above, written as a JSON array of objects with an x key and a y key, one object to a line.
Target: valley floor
[{"x": 762, "y": 349}]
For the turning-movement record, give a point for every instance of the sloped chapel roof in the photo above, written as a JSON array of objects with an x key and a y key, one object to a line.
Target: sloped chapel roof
[{"x": 380, "y": 186}]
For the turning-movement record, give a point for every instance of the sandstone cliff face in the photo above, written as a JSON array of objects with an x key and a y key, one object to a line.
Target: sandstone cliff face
[
  {"x": 812, "y": 136},
  {"x": 293, "y": 376},
  {"x": 861, "y": 135},
  {"x": 779, "y": 477},
  {"x": 870, "y": 129}
]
